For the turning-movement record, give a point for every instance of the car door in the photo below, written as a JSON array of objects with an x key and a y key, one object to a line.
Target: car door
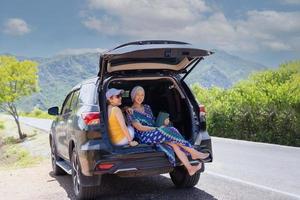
[
  {"x": 72, "y": 122},
  {"x": 62, "y": 127}
]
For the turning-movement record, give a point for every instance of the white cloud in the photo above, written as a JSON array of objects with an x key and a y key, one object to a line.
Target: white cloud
[
  {"x": 292, "y": 2},
  {"x": 270, "y": 29},
  {"x": 80, "y": 51},
  {"x": 155, "y": 9},
  {"x": 194, "y": 21},
  {"x": 103, "y": 25},
  {"x": 273, "y": 21},
  {"x": 131, "y": 16},
  {"x": 277, "y": 46},
  {"x": 16, "y": 27}
]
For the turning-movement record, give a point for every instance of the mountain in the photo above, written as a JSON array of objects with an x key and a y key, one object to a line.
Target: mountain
[
  {"x": 222, "y": 70},
  {"x": 58, "y": 74}
]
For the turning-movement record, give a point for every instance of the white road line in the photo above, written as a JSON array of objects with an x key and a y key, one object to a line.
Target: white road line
[
  {"x": 254, "y": 143},
  {"x": 252, "y": 184}
]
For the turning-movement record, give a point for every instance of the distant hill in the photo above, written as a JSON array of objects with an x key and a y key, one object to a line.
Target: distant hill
[
  {"x": 58, "y": 74},
  {"x": 223, "y": 70}
]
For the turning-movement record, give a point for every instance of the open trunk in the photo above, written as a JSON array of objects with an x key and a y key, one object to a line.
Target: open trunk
[
  {"x": 150, "y": 56},
  {"x": 161, "y": 94}
]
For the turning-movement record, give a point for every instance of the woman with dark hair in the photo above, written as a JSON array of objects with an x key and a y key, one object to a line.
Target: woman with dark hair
[
  {"x": 119, "y": 133},
  {"x": 166, "y": 138}
]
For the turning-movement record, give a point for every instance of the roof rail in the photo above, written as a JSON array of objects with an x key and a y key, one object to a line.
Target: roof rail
[{"x": 144, "y": 42}]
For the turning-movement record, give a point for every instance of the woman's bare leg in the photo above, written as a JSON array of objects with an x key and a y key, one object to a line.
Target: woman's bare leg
[
  {"x": 194, "y": 153},
  {"x": 183, "y": 158}
]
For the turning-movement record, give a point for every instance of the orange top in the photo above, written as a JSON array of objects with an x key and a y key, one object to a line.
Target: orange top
[{"x": 115, "y": 131}]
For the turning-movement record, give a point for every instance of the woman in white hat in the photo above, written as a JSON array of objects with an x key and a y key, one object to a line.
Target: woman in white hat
[{"x": 119, "y": 133}]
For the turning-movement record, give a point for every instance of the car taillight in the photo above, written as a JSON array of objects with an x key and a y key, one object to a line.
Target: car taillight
[
  {"x": 105, "y": 166},
  {"x": 91, "y": 118},
  {"x": 202, "y": 109}
]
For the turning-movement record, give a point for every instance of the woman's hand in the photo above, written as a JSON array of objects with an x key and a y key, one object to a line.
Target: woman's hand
[
  {"x": 141, "y": 127},
  {"x": 128, "y": 110},
  {"x": 153, "y": 128}
]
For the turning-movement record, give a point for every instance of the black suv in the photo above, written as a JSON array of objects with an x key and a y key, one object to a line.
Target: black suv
[{"x": 80, "y": 145}]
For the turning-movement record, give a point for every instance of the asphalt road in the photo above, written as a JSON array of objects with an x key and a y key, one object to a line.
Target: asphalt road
[
  {"x": 241, "y": 170},
  {"x": 43, "y": 124},
  {"x": 39, "y": 183}
]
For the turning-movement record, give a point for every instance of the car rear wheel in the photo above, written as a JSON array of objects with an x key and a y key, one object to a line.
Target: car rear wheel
[
  {"x": 56, "y": 169},
  {"x": 182, "y": 179},
  {"x": 81, "y": 192}
]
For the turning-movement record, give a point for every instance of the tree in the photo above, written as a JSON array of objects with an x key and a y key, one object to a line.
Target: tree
[
  {"x": 265, "y": 107},
  {"x": 18, "y": 79}
]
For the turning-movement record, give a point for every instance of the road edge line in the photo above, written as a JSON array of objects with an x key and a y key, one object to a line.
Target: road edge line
[{"x": 252, "y": 184}]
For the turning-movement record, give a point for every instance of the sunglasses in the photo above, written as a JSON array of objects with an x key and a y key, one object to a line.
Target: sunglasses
[{"x": 118, "y": 96}]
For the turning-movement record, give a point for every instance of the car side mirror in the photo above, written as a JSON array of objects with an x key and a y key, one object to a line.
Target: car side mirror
[{"x": 53, "y": 110}]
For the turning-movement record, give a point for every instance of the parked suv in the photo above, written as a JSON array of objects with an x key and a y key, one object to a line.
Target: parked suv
[{"x": 79, "y": 140}]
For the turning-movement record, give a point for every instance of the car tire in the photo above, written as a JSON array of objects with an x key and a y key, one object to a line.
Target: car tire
[
  {"x": 182, "y": 179},
  {"x": 57, "y": 171},
  {"x": 81, "y": 192}
]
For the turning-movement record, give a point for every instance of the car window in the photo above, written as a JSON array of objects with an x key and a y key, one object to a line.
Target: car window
[
  {"x": 75, "y": 100},
  {"x": 87, "y": 94},
  {"x": 67, "y": 104}
]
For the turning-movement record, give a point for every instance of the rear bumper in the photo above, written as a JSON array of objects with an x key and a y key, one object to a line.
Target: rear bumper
[
  {"x": 124, "y": 160},
  {"x": 139, "y": 164},
  {"x": 145, "y": 161}
]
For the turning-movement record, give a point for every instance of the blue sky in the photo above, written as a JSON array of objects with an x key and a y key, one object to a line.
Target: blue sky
[{"x": 266, "y": 31}]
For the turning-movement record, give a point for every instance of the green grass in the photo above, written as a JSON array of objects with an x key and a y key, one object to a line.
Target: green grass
[
  {"x": 14, "y": 156},
  {"x": 10, "y": 140},
  {"x": 37, "y": 113},
  {"x": 16, "y": 153},
  {"x": 1, "y": 125}
]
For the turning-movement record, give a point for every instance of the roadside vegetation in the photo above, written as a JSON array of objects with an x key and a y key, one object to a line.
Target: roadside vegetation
[
  {"x": 14, "y": 156},
  {"x": 19, "y": 153},
  {"x": 263, "y": 108},
  {"x": 37, "y": 113},
  {"x": 1, "y": 125},
  {"x": 18, "y": 79}
]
